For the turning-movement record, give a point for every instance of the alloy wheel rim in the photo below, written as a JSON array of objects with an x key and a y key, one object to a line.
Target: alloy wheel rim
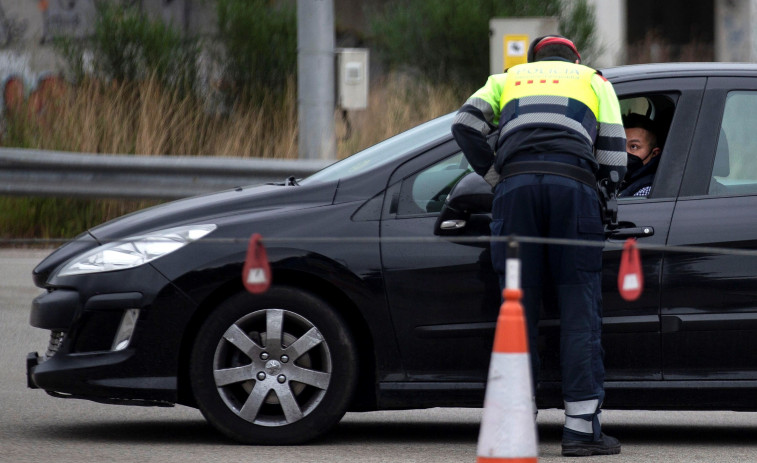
[{"x": 272, "y": 367}]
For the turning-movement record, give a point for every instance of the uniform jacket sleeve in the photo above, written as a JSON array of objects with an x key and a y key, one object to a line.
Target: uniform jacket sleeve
[
  {"x": 476, "y": 119},
  {"x": 610, "y": 146}
]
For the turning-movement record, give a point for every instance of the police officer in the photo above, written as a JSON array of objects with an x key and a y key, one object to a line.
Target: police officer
[{"x": 558, "y": 129}]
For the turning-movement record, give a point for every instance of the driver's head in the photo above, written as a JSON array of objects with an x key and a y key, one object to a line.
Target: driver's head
[{"x": 641, "y": 137}]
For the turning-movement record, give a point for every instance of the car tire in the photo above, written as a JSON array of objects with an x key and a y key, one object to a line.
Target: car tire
[{"x": 256, "y": 390}]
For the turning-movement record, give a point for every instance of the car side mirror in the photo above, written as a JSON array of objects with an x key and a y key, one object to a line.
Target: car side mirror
[{"x": 471, "y": 195}]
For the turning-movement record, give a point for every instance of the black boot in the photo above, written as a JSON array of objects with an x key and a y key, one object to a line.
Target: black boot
[{"x": 606, "y": 445}]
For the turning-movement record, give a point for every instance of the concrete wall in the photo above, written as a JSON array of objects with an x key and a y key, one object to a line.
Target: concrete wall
[
  {"x": 25, "y": 28},
  {"x": 28, "y": 26},
  {"x": 735, "y": 34},
  {"x": 611, "y": 31}
]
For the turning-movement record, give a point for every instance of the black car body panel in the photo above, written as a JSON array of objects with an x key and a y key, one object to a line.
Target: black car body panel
[{"x": 422, "y": 308}]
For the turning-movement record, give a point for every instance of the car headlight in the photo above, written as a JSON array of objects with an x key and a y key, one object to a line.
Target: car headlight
[{"x": 134, "y": 251}]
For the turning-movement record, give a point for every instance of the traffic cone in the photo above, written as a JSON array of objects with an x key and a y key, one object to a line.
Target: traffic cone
[{"x": 508, "y": 426}]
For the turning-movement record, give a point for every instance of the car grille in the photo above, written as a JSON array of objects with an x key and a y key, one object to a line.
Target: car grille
[{"x": 56, "y": 339}]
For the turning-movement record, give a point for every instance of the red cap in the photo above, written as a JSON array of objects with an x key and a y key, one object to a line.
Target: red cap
[{"x": 556, "y": 41}]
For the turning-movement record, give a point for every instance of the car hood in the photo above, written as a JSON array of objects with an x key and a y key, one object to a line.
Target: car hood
[
  {"x": 195, "y": 210},
  {"x": 207, "y": 208}
]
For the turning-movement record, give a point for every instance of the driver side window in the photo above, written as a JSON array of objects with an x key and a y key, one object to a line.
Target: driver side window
[
  {"x": 646, "y": 119},
  {"x": 425, "y": 191}
]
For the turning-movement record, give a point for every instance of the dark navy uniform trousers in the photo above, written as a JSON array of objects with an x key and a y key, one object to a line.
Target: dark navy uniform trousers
[{"x": 547, "y": 205}]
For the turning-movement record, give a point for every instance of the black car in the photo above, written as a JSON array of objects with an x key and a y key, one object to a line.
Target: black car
[{"x": 377, "y": 301}]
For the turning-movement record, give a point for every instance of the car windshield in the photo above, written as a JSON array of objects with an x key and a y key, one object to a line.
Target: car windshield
[{"x": 386, "y": 151}]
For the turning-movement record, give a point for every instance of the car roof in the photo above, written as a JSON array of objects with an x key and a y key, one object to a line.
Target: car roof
[{"x": 658, "y": 70}]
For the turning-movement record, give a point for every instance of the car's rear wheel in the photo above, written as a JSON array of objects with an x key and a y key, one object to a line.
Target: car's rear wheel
[{"x": 277, "y": 368}]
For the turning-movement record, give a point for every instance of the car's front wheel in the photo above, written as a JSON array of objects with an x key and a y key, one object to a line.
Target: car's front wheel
[{"x": 277, "y": 368}]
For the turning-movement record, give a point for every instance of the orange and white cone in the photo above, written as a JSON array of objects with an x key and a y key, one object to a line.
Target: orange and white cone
[{"x": 508, "y": 426}]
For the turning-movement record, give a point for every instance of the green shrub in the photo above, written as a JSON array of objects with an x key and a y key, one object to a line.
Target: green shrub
[
  {"x": 260, "y": 46},
  {"x": 127, "y": 46},
  {"x": 449, "y": 40}
]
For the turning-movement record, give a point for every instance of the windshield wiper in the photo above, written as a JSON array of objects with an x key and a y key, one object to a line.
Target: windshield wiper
[{"x": 291, "y": 181}]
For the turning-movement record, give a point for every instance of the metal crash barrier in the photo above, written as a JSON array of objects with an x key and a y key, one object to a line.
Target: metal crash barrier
[{"x": 26, "y": 172}]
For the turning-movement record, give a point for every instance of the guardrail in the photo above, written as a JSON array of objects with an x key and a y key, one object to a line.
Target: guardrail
[{"x": 54, "y": 173}]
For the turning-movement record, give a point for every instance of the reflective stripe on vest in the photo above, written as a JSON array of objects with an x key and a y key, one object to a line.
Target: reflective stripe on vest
[{"x": 549, "y": 94}]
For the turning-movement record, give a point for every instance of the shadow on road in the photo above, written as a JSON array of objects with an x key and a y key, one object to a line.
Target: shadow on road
[
  {"x": 135, "y": 432},
  {"x": 191, "y": 432},
  {"x": 368, "y": 433}
]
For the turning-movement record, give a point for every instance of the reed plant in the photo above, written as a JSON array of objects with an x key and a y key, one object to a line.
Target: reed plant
[{"x": 149, "y": 118}]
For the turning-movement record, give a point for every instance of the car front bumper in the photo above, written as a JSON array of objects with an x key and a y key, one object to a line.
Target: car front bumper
[{"x": 112, "y": 347}]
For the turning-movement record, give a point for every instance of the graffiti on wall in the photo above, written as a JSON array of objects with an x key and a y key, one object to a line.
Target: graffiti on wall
[
  {"x": 11, "y": 29},
  {"x": 28, "y": 27},
  {"x": 74, "y": 18},
  {"x": 46, "y": 88},
  {"x": 70, "y": 18}
]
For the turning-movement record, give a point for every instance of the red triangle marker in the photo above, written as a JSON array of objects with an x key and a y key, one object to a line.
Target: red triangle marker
[
  {"x": 630, "y": 277},
  {"x": 256, "y": 274}
]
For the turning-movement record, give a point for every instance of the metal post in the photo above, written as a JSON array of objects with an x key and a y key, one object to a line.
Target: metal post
[{"x": 315, "y": 79}]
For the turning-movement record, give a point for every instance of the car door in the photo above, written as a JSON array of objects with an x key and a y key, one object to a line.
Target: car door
[
  {"x": 443, "y": 295},
  {"x": 631, "y": 329},
  {"x": 709, "y": 303}
]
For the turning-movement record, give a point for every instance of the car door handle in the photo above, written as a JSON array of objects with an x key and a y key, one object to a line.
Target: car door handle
[{"x": 630, "y": 232}]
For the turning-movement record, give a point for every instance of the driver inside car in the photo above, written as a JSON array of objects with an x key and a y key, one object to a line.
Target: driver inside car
[{"x": 643, "y": 155}]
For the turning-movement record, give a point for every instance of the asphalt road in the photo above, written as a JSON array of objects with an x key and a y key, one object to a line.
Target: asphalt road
[{"x": 35, "y": 427}]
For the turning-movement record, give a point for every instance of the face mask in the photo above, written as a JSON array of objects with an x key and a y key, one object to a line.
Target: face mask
[{"x": 633, "y": 164}]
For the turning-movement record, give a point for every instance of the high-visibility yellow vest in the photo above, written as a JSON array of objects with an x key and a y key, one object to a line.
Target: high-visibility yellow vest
[
  {"x": 549, "y": 94},
  {"x": 550, "y": 78},
  {"x": 553, "y": 94}
]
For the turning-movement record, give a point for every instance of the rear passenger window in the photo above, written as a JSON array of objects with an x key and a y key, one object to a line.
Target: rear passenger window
[{"x": 735, "y": 169}]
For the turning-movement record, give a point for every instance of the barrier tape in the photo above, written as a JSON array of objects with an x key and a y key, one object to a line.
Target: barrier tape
[{"x": 610, "y": 245}]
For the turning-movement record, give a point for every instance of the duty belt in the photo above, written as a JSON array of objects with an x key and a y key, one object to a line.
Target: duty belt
[{"x": 550, "y": 167}]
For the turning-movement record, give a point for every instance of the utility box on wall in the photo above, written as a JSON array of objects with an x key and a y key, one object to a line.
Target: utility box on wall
[
  {"x": 509, "y": 39},
  {"x": 352, "y": 78}
]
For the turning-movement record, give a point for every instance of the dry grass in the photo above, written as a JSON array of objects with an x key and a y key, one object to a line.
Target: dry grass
[
  {"x": 145, "y": 119},
  {"x": 396, "y": 103},
  {"x": 148, "y": 119}
]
